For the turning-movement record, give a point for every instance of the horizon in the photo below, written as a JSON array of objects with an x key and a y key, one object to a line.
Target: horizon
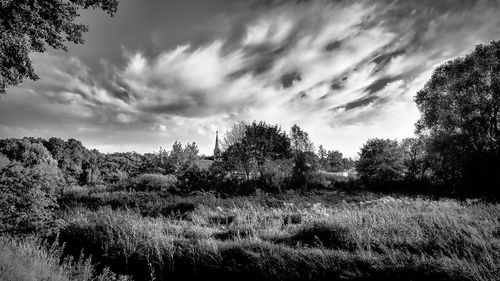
[{"x": 160, "y": 72}]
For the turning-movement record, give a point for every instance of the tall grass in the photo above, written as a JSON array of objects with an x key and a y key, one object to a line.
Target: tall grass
[
  {"x": 394, "y": 239},
  {"x": 30, "y": 259}
]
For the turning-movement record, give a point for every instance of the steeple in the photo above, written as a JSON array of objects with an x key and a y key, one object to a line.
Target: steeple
[{"x": 216, "y": 149}]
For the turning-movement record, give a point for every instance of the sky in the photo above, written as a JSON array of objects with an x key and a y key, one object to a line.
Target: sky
[{"x": 166, "y": 70}]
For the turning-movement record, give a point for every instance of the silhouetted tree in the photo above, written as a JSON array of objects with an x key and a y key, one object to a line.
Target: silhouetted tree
[
  {"x": 416, "y": 159},
  {"x": 460, "y": 112}
]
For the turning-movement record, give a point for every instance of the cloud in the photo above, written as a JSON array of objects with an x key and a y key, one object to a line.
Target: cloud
[{"x": 343, "y": 70}]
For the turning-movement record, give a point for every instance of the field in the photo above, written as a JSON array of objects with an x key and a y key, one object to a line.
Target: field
[{"x": 329, "y": 235}]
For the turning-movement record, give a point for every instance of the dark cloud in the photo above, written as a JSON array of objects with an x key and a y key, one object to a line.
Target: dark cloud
[
  {"x": 380, "y": 84},
  {"x": 360, "y": 102},
  {"x": 288, "y": 79},
  {"x": 332, "y": 46}
]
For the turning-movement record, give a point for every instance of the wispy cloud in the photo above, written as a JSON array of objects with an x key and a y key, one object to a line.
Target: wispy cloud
[{"x": 344, "y": 70}]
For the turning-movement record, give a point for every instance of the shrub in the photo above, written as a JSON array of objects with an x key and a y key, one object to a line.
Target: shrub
[
  {"x": 153, "y": 182},
  {"x": 277, "y": 174},
  {"x": 194, "y": 179},
  {"x": 324, "y": 234},
  {"x": 27, "y": 198}
]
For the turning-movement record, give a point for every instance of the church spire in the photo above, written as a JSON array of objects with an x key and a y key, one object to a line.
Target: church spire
[{"x": 216, "y": 149}]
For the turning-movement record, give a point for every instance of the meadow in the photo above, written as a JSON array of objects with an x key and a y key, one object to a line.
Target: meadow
[{"x": 321, "y": 235}]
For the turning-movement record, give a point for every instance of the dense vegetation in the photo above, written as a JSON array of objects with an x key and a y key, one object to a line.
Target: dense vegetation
[{"x": 269, "y": 206}]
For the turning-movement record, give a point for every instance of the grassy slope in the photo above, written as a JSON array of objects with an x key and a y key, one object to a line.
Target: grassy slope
[{"x": 291, "y": 238}]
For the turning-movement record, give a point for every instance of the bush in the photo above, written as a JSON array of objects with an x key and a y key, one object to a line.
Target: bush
[
  {"x": 150, "y": 182},
  {"x": 194, "y": 179},
  {"x": 277, "y": 175},
  {"x": 27, "y": 199},
  {"x": 324, "y": 234}
]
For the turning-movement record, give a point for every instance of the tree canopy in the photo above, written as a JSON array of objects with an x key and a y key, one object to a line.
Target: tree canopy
[
  {"x": 460, "y": 112},
  {"x": 380, "y": 162},
  {"x": 462, "y": 99},
  {"x": 28, "y": 26}
]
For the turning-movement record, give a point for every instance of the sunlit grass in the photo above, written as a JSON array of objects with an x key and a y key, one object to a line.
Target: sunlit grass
[
  {"x": 30, "y": 259},
  {"x": 247, "y": 239}
]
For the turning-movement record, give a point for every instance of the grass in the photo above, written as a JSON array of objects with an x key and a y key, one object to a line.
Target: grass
[
  {"x": 292, "y": 238},
  {"x": 30, "y": 259}
]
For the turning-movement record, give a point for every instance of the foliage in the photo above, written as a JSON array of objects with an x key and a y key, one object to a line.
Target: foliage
[
  {"x": 194, "y": 179},
  {"x": 277, "y": 175},
  {"x": 116, "y": 166},
  {"x": 333, "y": 160},
  {"x": 234, "y": 135},
  {"x": 306, "y": 163},
  {"x": 261, "y": 143},
  {"x": 460, "y": 112},
  {"x": 416, "y": 159},
  {"x": 27, "y": 198},
  {"x": 183, "y": 158},
  {"x": 77, "y": 163},
  {"x": 151, "y": 182},
  {"x": 300, "y": 142},
  {"x": 26, "y": 152},
  {"x": 31, "y": 26},
  {"x": 380, "y": 163}
]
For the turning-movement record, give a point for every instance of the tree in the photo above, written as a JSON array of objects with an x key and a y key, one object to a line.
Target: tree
[
  {"x": 27, "y": 197},
  {"x": 28, "y": 26},
  {"x": 261, "y": 142},
  {"x": 460, "y": 113},
  {"x": 300, "y": 141},
  {"x": 322, "y": 157},
  {"x": 416, "y": 158},
  {"x": 234, "y": 135},
  {"x": 28, "y": 186},
  {"x": 380, "y": 163},
  {"x": 183, "y": 158},
  {"x": 335, "y": 161}
]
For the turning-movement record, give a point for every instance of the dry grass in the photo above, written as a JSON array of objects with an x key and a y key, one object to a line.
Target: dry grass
[
  {"x": 247, "y": 239},
  {"x": 30, "y": 259}
]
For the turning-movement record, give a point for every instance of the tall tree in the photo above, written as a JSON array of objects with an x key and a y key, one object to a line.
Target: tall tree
[
  {"x": 460, "y": 112},
  {"x": 28, "y": 26}
]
